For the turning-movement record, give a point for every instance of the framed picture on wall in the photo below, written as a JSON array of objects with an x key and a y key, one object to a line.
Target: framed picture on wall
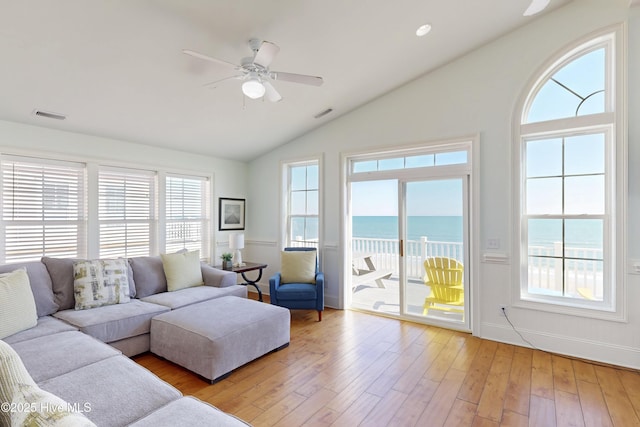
[{"x": 231, "y": 214}]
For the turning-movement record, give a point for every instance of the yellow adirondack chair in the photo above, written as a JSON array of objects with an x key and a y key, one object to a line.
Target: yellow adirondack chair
[{"x": 444, "y": 278}]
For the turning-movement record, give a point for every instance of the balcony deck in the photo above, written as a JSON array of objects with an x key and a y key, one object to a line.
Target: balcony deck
[{"x": 370, "y": 297}]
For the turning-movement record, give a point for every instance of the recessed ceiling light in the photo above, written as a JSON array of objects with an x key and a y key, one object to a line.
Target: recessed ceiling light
[{"x": 423, "y": 30}]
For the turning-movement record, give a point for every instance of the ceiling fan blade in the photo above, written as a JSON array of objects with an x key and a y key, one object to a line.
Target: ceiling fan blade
[
  {"x": 265, "y": 54},
  {"x": 208, "y": 58},
  {"x": 536, "y": 6},
  {"x": 297, "y": 78},
  {"x": 271, "y": 93},
  {"x": 214, "y": 84}
]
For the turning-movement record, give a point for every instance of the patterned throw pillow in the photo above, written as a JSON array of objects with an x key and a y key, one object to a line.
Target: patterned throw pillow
[
  {"x": 45, "y": 409},
  {"x": 17, "y": 305},
  {"x": 100, "y": 282}
]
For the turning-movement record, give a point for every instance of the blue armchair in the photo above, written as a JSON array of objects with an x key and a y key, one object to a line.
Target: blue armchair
[{"x": 301, "y": 293}]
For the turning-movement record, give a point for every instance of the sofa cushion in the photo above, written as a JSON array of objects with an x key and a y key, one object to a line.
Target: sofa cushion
[
  {"x": 189, "y": 411},
  {"x": 100, "y": 282},
  {"x": 114, "y": 322},
  {"x": 118, "y": 390},
  {"x": 47, "y": 325},
  {"x": 148, "y": 275},
  {"x": 17, "y": 305},
  {"x": 48, "y": 356},
  {"x": 189, "y": 296},
  {"x": 40, "y": 282},
  {"x": 298, "y": 266},
  {"x": 182, "y": 270},
  {"x": 61, "y": 272},
  {"x": 17, "y": 388},
  {"x": 46, "y": 409}
]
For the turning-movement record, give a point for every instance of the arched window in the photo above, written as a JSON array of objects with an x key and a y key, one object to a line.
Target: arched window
[{"x": 570, "y": 190}]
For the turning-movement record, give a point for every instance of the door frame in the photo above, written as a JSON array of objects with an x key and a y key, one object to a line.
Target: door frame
[{"x": 472, "y": 145}]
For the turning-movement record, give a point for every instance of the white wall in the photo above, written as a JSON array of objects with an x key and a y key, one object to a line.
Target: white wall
[
  {"x": 474, "y": 94},
  {"x": 229, "y": 177}
]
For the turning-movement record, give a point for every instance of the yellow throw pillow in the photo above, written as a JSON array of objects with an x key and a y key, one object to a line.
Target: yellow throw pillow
[
  {"x": 298, "y": 267},
  {"x": 182, "y": 270},
  {"x": 17, "y": 305}
]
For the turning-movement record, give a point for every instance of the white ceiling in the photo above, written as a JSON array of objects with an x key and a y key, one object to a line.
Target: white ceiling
[{"x": 116, "y": 67}]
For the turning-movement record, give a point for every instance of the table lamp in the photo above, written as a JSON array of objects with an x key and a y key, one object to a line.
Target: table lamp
[{"x": 236, "y": 242}]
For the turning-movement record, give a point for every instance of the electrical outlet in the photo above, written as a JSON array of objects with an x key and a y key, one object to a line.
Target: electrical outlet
[
  {"x": 493, "y": 243},
  {"x": 503, "y": 310}
]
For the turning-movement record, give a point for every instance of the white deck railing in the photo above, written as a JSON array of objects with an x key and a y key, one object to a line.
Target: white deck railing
[
  {"x": 385, "y": 253},
  {"x": 545, "y": 267}
]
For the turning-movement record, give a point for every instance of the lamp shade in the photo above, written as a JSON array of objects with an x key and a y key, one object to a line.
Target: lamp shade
[{"x": 236, "y": 241}]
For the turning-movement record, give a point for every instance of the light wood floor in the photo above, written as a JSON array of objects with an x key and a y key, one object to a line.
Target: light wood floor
[{"x": 358, "y": 369}]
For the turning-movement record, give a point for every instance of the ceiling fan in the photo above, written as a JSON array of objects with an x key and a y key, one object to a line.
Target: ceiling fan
[
  {"x": 536, "y": 6},
  {"x": 254, "y": 71}
]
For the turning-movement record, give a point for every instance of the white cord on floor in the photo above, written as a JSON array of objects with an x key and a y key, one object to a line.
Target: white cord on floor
[{"x": 504, "y": 312}]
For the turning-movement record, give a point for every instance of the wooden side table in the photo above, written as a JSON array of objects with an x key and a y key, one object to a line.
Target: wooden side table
[{"x": 249, "y": 266}]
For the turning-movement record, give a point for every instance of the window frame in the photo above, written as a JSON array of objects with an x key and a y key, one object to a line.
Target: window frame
[
  {"x": 82, "y": 210},
  {"x": 206, "y": 209},
  {"x": 286, "y": 166},
  {"x": 152, "y": 220},
  {"x": 89, "y": 246},
  {"x": 610, "y": 122}
]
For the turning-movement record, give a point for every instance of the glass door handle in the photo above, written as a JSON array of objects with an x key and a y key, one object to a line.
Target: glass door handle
[{"x": 401, "y": 247}]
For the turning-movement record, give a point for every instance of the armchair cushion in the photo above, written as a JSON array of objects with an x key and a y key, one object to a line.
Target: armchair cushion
[
  {"x": 298, "y": 267},
  {"x": 297, "y": 291}
]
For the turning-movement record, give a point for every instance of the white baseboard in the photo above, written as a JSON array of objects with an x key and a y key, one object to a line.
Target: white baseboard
[{"x": 566, "y": 345}]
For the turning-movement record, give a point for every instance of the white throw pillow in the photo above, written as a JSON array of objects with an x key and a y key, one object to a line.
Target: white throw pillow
[
  {"x": 17, "y": 304},
  {"x": 182, "y": 270},
  {"x": 298, "y": 267},
  {"x": 100, "y": 282}
]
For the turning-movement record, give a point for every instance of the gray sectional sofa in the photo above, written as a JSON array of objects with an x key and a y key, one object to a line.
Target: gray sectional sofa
[{"x": 80, "y": 355}]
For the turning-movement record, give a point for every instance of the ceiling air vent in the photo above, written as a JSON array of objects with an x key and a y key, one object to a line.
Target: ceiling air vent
[
  {"x": 50, "y": 115},
  {"x": 323, "y": 113}
]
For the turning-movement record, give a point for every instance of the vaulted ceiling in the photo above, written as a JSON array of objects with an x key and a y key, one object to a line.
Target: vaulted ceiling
[{"x": 115, "y": 68}]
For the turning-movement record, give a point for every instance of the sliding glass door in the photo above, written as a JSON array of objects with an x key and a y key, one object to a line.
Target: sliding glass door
[
  {"x": 433, "y": 235},
  {"x": 408, "y": 237}
]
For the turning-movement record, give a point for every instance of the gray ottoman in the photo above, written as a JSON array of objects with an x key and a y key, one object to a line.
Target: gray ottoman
[{"x": 214, "y": 337}]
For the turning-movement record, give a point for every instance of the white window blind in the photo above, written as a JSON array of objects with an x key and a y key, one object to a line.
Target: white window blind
[
  {"x": 187, "y": 214},
  {"x": 43, "y": 209},
  {"x": 126, "y": 211}
]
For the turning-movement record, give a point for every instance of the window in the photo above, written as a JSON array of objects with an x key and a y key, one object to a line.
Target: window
[
  {"x": 570, "y": 192},
  {"x": 43, "y": 209},
  {"x": 302, "y": 203},
  {"x": 442, "y": 158},
  {"x": 187, "y": 212},
  {"x": 127, "y": 212}
]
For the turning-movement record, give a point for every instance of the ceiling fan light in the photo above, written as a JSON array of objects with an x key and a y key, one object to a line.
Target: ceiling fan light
[
  {"x": 253, "y": 88},
  {"x": 423, "y": 30}
]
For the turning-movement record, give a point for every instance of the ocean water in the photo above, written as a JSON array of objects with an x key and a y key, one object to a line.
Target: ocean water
[
  {"x": 435, "y": 228},
  {"x": 583, "y": 233}
]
